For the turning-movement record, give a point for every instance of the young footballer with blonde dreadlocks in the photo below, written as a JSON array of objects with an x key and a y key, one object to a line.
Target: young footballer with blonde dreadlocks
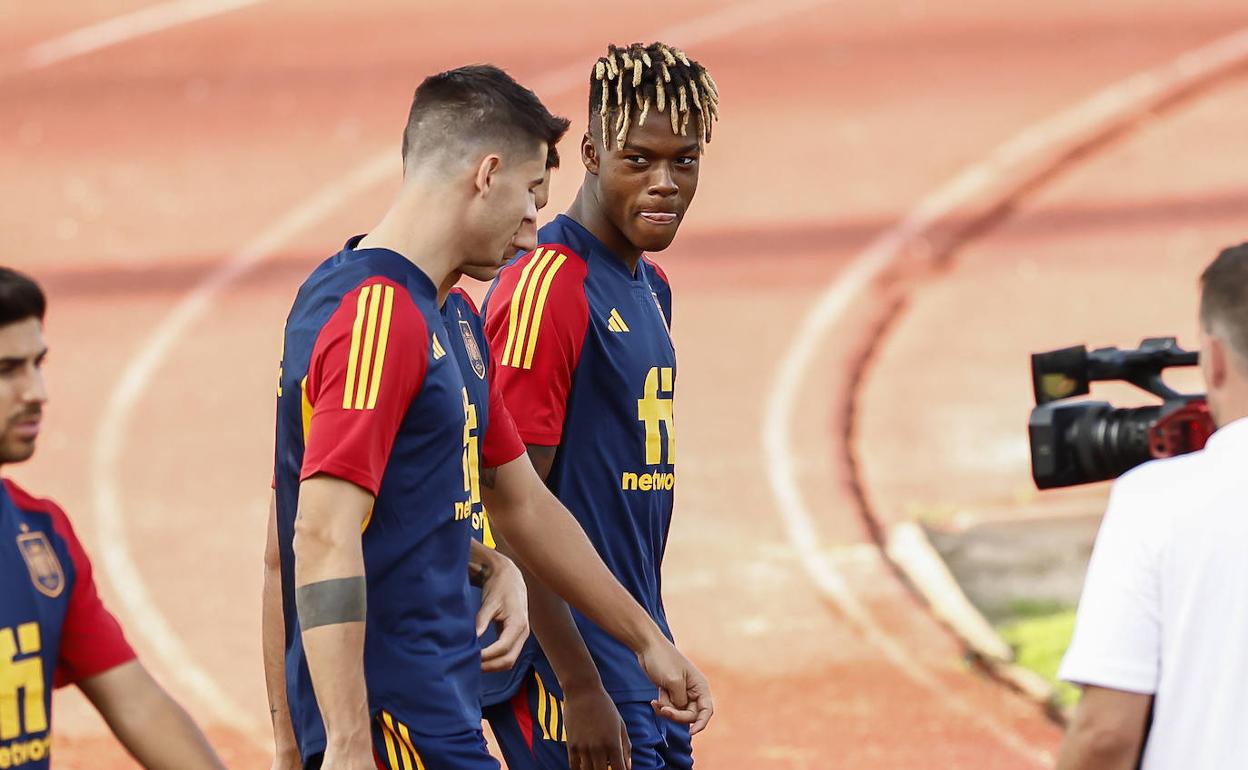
[{"x": 587, "y": 368}]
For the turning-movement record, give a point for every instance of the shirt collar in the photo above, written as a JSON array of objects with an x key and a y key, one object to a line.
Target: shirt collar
[{"x": 1230, "y": 435}]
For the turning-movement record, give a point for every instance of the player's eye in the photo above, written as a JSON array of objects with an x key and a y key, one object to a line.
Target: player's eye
[
  {"x": 686, "y": 160},
  {"x": 636, "y": 160}
]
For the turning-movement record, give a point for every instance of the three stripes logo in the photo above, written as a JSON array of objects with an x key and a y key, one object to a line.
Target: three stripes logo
[
  {"x": 528, "y": 303},
  {"x": 615, "y": 322},
  {"x": 369, "y": 337},
  {"x": 401, "y": 753},
  {"x": 438, "y": 350}
]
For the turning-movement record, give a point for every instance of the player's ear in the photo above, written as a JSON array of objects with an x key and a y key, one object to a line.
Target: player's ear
[
  {"x": 589, "y": 153},
  {"x": 1216, "y": 369},
  {"x": 487, "y": 169}
]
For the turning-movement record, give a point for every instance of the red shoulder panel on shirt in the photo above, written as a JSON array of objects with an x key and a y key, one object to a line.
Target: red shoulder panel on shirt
[
  {"x": 536, "y": 322},
  {"x": 368, "y": 364}
]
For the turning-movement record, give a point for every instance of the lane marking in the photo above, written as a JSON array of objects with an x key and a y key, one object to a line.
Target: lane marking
[
  {"x": 116, "y": 558},
  {"x": 120, "y": 29},
  {"x": 1020, "y": 162}
]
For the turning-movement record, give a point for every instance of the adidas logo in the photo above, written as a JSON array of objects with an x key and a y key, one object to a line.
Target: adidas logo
[
  {"x": 438, "y": 350},
  {"x": 615, "y": 322}
]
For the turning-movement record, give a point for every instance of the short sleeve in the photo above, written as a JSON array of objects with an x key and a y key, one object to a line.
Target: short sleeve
[
  {"x": 502, "y": 442},
  {"x": 1117, "y": 639},
  {"x": 368, "y": 364},
  {"x": 536, "y": 323},
  {"x": 92, "y": 641}
]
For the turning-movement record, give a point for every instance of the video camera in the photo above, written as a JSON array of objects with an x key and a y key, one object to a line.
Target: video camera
[{"x": 1079, "y": 442}]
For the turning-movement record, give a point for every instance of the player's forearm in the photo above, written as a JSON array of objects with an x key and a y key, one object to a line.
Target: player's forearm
[
  {"x": 554, "y": 548},
  {"x": 557, "y": 632},
  {"x": 331, "y": 602},
  {"x": 149, "y": 723},
  {"x": 273, "y": 644}
]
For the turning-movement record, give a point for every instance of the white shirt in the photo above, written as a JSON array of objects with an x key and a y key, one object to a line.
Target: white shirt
[{"x": 1164, "y": 609}]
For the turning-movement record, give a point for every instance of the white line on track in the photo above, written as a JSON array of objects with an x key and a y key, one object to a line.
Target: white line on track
[
  {"x": 115, "y": 556},
  {"x": 1005, "y": 172},
  {"x": 120, "y": 29}
]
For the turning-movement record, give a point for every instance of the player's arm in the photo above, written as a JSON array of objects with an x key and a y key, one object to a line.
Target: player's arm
[
  {"x": 331, "y": 599},
  {"x": 552, "y": 546},
  {"x": 273, "y": 643},
  {"x": 1107, "y": 732},
  {"x": 356, "y": 414},
  {"x": 149, "y": 723}
]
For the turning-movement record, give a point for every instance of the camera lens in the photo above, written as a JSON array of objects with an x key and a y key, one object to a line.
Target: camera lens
[{"x": 1108, "y": 442}]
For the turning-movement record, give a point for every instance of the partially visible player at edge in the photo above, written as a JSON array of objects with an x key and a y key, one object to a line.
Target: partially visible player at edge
[
  {"x": 54, "y": 630},
  {"x": 584, "y": 730},
  {"x": 581, "y": 325},
  {"x": 376, "y": 436}
]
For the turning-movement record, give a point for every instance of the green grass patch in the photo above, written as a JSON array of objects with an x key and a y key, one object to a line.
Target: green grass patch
[{"x": 1040, "y": 634}]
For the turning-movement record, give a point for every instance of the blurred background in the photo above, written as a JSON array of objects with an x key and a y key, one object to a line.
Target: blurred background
[{"x": 903, "y": 200}]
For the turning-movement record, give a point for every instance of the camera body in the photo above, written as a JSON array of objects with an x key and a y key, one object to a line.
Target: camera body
[{"x": 1079, "y": 442}]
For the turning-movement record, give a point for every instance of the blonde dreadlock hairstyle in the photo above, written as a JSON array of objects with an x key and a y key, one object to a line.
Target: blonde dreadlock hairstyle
[{"x": 648, "y": 78}]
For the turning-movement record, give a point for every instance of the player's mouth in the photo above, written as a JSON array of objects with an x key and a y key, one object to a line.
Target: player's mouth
[
  {"x": 27, "y": 427},
  {"x": 660, "y": 218}
]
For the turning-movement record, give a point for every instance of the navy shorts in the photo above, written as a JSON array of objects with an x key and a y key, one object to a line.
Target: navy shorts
[
  {"x": 532, "y": 736},
  {"x": 395, "y": 747}
]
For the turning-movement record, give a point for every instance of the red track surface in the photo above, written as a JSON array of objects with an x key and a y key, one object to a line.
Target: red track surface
[{"x": 135, "y": 171}]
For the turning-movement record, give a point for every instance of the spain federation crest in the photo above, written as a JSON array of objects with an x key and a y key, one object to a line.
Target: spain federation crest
[
  {"x": 474, "y": 352},
  {"x": 45, "y": 567}
]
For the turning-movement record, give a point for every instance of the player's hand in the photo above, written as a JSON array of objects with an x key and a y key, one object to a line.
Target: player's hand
[
  {"x": 505, "y": 601},
  {"x": 684, "y": 694},
  {"x": 597, "y": 736}
]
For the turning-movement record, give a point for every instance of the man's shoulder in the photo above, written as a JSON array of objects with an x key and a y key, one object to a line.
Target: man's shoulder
[
  {"x": 41, "y": 506},
  {"x": 552, "y": 270}
]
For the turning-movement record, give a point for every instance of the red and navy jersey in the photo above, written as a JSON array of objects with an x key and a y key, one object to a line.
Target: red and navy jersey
[
  {"x": 54, "y": 630},
  {"x": 587, "y": 363},
  {"x": 466, "y": 331},
  {"x": 371, "y": 392}
]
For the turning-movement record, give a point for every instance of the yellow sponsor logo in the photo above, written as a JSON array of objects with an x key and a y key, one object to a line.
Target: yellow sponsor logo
[
  {"x": 19, "y": 753},
  {"x": 655, "y": 481}
]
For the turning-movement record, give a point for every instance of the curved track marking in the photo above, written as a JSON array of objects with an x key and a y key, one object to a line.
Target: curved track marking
[
  {"x": 120, "y": 29},
  {"x": 1008, "y": 171},
  {"x": 115, "y": 556}
]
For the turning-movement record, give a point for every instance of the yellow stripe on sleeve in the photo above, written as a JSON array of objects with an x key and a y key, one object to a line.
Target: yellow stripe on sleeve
[
  {"x": 541, "y": 705},
  {"x": 387, "y": 304},
  {"x": 514, "y": 313},
  {"x": 392, "y": 739},
  {"x": 361, "y": 304},
  {"x": 526, "y": 310},
  {"x": 370, "y": 336},
  {"x": 541, "y": 307}
]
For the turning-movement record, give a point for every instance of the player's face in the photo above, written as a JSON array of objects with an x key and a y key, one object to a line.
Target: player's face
[
  {"x": 648, "y": 184},
  {"x": 524, "y": 240},
  {"x": 22, "y": 392},
  {"x": 507, "y": 210}
]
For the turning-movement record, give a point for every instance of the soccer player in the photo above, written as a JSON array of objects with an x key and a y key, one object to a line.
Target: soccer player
[
  {"x": 581, "y": 325},
  {"x": 376, "y": 462},
  {"x": 54, "y": 630},
  {"x": 583, "y": 730}
]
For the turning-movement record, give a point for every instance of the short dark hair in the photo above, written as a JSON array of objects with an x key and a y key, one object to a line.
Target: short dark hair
[
  {"x": 1224, "y": 297},
  {"x": 477, "y": 104},
  {"x": 20, "y": 298}
]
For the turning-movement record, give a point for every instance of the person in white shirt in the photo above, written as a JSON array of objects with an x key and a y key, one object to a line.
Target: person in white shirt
[{"x": 1161, "y": 636}]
